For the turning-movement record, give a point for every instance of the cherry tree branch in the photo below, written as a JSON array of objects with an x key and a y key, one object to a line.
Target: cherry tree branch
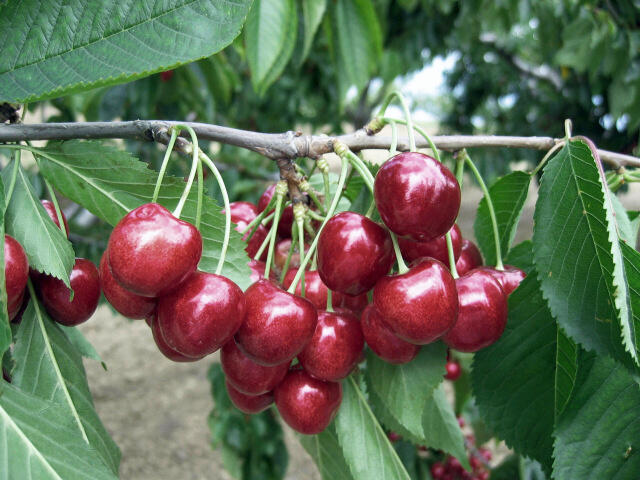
[{"x": 276, "y": 146}]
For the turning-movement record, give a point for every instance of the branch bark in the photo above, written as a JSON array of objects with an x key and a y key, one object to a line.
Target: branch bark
[{"x": 276, "y": 145}]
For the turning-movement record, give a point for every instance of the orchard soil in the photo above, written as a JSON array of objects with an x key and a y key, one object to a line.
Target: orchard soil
[{"x": 157, "y": 410}]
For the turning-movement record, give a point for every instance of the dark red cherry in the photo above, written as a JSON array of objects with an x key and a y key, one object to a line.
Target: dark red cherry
[
  {"x": 355, "y": 303},
  {"x": 453, "y": 370},
  {"x": 201, "y": 315},
  {"x": 16, "y": 270},
  {"x": 470, "y": 257},
  {"x": 51, "y": 211},
  {"x": 382, "y": 341},
  {"x": 335, "y": 348},
  {"x": 436, "y": 248},
  {"x": 242, "y": 213},
  {"x": 165, "y": 349},
  {"x": 249, "y": 403},
  {"x": 394, "y": 437},
  {"x": 247, "y": 376},
  {"x": 17, "y": 308},
  {"x": 509, "y": 278},
  {"x": 257, "y": 270},
  {"x": 353, "y": 253},
  {"x": 417, "y": 196},
  {"x": 307, "y": 404},
  {"x": 125, "y": 302},
  {"x": 277, "y": 325},
  {"x": 85, "y": 282},
  {"x": 421, "y": 305},
  {"x": 483, "y": 312},
  {"x": 314, "y": 289},
  {"x": 166, "y": 75},
  {"x": 286, "y": 217},
  {"x": 151, "y": 252},
  {"x": 282, "y": 252}
]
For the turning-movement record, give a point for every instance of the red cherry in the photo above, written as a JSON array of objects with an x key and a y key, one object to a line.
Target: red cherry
[
  {"x": 483, "y": 475},
  {"x": 257, "y": 270},
  {"x": 201, "y": 315},
  {"x": 166, "y": 75},
  {"x": 16, "y": 271},
  {"x": 85, "y": 282},
  {"x": 247, "y": 376},
  {"x": 417, "y": 196},
  {"x": 282, "y": 252},
  {"x": 461, "y": 422},
  {"x": 421, "y": 305},
  {"x": 16, "y": 309},
  {"x": 509, "y": 278},
  {"x": 249, "y": 403},
  {"x": 486, "y": 454},
  {"x": 475, "y": 462},
  {"x": 51, "y": 211},
  {"x": 383, "y": 341},
  {"x": 454, "y": 465},
  {"x": 393, "y": 437},
  {"x": 355, "y": 303},
  {"x": 314, "y": 289},
  {"x": 277, "y": 324},
  {"x": 335, "y": 348},
  {"x": 483, "y": 312},
  {"x": 437, "y": 470},
  {"x": 353, "y": 253},
  {"x": 165, "y": 349},
  {"x": 286, "y": 217},
  {"x": 453, "y": 371},
  {"x": 151, "y": 252},
  {"x": 307, "y": 404},
  {"x": 242, "y": 213},
  {"x": 470, "y": 257},
  {"x": 125, "y": 302},
  {"x": 436, "y": 248}
]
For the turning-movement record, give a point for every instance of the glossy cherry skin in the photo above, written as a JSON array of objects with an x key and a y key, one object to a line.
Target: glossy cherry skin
[
  {"x": 85, "y": 282},
  {"x": 355, "y": 303},
  {"x": 335, "y": 348},
  {"x": 151, "y": 252},
  {"x": 247, "y": 376},
  {"x": 125, "y": 302},
  {"x": 314, "y": 289},
  {"x": 249, "y": 403},
  {"x": 421, "y": 305},
  {"x": 165, "y": 349},
  {"x": 382, "y": 341},
  {"x": 453, "y": 370},
  {"x": 307, "y": 404},
  {"x": 277, "y": 325},
  {"x": 51, "y": 211},
  {"x": 201, "y": 315},
  {"x": 417, "y": 196},
  {"x": 483, "y": 312},
  {"x": 286, "y": 216},
  {"x": 257, "y": 271},
  {"x": 17, "y": 308},
  {"x": 16, "y": 270},
  {"x": 436, "y": 248},
  {"x": 282, "y": 252},
  {"x": 469, "y": 259},
  {"x": 353, "y": 253},
  {"x": 242, "y": 213},
  {"x": 509, "y": 278}
]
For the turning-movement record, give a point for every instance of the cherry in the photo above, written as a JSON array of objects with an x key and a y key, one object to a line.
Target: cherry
[
  {"x": 249, "y": 403},
  {"x": 242, "y": 213},
  {"x": 383, "y": 341},
  {"x": 165, "y": 349},
  {"x": 421, "y": 305},
  {"x": 16, "y": 309},
  {"x": 282, "y": 252},
  {"x": 201, "y": 315},
  {"x": 417, "y": 196},
  {"x": 314, "y": 289},
  {"x": 453, "y": 370},
  {"x": 277, "y": 324},
  {"x": 125, "y": 302},
  {"x": 353, "y": 253},
  {"x": 436, "y": 248},
  {"x": 16, "y": 272},
  {"x": 437, "y": 470},
  {"x": 469, "y": 259},
  {"x": 85, "y": 283},
  {"x": 247, "y": 376},
  {"x": 166, "y": 75},
  {"x": 509, "y": 278},
  {"x": 335, "y": 348},
  {"x": 51, "y": 211},
  {"x": 151, "y": 252},
  {"x": 461, "y": 422},
  {"x": 486, "y": 454},
  {"x": 286, "y": 217},
  {"x": 257, "y": 270},
  {"x": 307, "y": 404},
  {"x": 355, "y": 303},
  {"x": 393, "y": 437},
  {"x": 483, "y": 312}
]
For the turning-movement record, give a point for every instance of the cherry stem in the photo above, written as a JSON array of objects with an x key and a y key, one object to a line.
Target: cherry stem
[
  {"x": 546, "y": 157},
  {"x": 407, "y": 114},
  {"x": 330, "y": 301},
  {"x": 308, "y": 189},
  {"x": 452, "y": 257},
  {"x": 360, "y": 167},
  {"x": 14, "y": 176},
  {"x": 287, "y": 262},
  {"x": 192, "y": 174},
  {"x": 299, "y": 223},
  {"x": 492, "y": 213},
  {"x": 402, "y": 266},
  {"x": 460, "y": 171},
  {"x": 165, "y": 162},
  {"x": 274, "y": 228},
  {"x": 263, "y": 246},
  {"x": 339, "y": 148},
  {"x": 261, "y": 216},
  {"x": 323, "y": 166},
  {"x": 315, "y": 216},
  {"x": 418, "y": 129}
]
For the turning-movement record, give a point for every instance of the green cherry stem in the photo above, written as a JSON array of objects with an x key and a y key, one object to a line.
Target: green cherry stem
[
  {"x": 460, "y": 171},
  {"x": 402, "y": 266},
  {"x": 200, "y": 195},
  {"x": 358, "y": 164},
  {"x": 192, "y": 174},
  {"x": 265, "y": 243},
  {"x": 323, "y": 166},
  {"x": 14, "y": 176},
  {"x": 330, "y": 301},
  {"x": 300, "y": 223},
  {"x": 407, "y": 115},
  {"x": 306, "y": 187},
  {"x": 165, "y": 162},
  {"x": 420, "y": 131},
  {"x": 287, "y": 262},
  {"x": 281, "y": 191},
  {"x": 452, "y": 257},
  {"x": 261, "y": 216}
]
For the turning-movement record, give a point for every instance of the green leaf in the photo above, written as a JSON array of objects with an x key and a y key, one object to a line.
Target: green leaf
[
  {"x": 49, "y": 367},
  {"x": 38, "y": 442},
  {"x": 26, "y": 220},
  {"x": 365, "y": 446},
  {"x": 566, "y": 370},
  {"x": 405, "y": 389},
  {"x": 508, "y": 194},
  {"x": 82, "y": 345},
  {"x": 632, "y": 271},
  {"x": 597, "y": 436},
  {"x": 513, "y": 379},
  {"x": 270, "y": 36},
  {"x": 626, "y": 231},
  {"x": 577, "y": 255},
  {"x": 5, "y": 326},
  {"x": 312, "y": 13},
  {"x": 52, "y": 49},
  {"x": 521, "y": 256},
  {"x": 327, "y": 454},
  {"x": 109, "y": 183}
]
